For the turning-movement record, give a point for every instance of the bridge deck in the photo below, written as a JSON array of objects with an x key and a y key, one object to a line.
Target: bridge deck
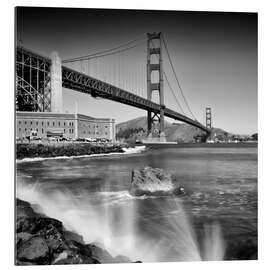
[
  {"x": 86, "y": 84},
  {"x": 80, "y": 82}
]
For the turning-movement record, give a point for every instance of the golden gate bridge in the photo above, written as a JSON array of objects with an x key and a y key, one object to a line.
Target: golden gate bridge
[{"x": 119, "y": 74}]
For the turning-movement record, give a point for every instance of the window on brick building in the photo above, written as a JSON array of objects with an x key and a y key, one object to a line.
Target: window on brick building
[{"x": 37, "y": 123}]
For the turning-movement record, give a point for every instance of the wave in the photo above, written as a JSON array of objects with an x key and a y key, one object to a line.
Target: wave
[
  {"x": 130, "y": 150},
  {"x": 122, "y": 196},
  {"x": 134, "y": 150},
  {"x": 116, "y": 228}
]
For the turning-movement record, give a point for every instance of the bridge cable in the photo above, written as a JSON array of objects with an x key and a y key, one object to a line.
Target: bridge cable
[
  {"x": 178, "y": 103},
  {"x": 170, "y": 60},
  {"x": 89, "y": 56},
  {"x": 103, "y": 55}
]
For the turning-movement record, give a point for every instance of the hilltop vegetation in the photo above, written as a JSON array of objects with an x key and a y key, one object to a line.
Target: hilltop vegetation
[{"x": 136, "y": 129}]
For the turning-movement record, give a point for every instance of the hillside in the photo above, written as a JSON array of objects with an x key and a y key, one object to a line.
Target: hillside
[{"x": 136, "y": 129}]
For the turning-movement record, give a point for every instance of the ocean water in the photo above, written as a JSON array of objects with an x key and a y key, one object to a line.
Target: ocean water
[{"x": 215, "y": 219}]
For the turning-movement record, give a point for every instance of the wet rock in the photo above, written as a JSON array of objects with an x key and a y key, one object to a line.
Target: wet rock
[
  {"x": 73, "y": 236},
  {"x": 153, "y": 181},
  {"x": 35, "y": 250},
  {"x": 23, "y": 236},
  {"x": 76, "y": 260},
  {"x": 24, "y": 209},
  {"x": 101, "y": 255},
  {"x": 44, "y": 240},
  {"x": 53, "y": 237},
  {"x": 122, "y": 259}
]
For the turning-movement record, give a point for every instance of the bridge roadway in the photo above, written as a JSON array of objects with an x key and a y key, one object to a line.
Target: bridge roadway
[
  {"x": 75, "y": 80},
  {"x": 83, "y": 83}
]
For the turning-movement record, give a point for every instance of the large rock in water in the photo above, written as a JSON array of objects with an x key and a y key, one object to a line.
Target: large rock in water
[{"x": 153, "y": 181}]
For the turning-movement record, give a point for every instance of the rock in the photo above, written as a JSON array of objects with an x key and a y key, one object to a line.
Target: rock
[
  {"x": 43, "y": 240},
  {"x": 35, "y": 249},
  {"x": 24, "y": 209},
  {"x": 77, "y": 254},
  {"x": 153, "y": 181},
  {"x": 53, "y": 237},
  {"x": 73, "y": 236},
  {"x": 23, "y": 236},
  {"x": 101, "y": 255},
  {"x": 122, "y": 259},
  {"x": 24, "y": 216},
  {"x": 66, "y": 257},
  {"x": 76, "y": 260}
]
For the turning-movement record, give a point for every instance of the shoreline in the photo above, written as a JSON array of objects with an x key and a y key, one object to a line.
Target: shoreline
[
  {"x": 204, "y": 145},
  {"x": 126, "y": 151}
]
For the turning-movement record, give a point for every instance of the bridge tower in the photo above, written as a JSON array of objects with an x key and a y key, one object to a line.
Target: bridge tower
[
  {"x": 155, "y": 121},
  {"x": 208, "y": 119},
  {"x": 56, "y": 84}
]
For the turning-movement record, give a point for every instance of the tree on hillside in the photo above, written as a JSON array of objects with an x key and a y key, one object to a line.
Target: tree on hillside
[
  {"x": 128, "y": 133},
  {"x": 254, "y": 137}
]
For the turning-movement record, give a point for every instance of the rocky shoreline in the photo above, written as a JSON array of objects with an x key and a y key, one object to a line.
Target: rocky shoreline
[
  {"x": 33, "y": 150},
  {"x": 41, "y": 240}
]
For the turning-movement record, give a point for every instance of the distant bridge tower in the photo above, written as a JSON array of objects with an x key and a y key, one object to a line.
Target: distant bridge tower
[
  {"x": 208, "y": 115},
  {"x": 155, "y": 121}
]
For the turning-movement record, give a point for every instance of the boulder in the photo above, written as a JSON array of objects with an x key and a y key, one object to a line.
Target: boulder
[
  {"x": 73, "y": 236},
  {"x": 153, "y": 181},
  {"x": 33, "y": 250},
  {"x": 22, "y": 236},
  {"x": 122, "y": 259},
  {"x": 44, "y": 240},
  {"x": 101, "y": 255}
]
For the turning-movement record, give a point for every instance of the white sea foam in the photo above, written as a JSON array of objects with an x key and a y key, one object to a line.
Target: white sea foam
[
  {"x": 113, "y": 224},
  {"x": 130, "y": 150}
]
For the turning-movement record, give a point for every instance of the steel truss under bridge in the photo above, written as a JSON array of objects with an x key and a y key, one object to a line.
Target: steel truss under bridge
[{"x": 33, "y": 92}]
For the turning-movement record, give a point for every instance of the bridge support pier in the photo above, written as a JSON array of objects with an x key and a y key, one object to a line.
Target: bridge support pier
[
  {"x": 155, "y": 121},
  {"x": 56, "y": 84}
]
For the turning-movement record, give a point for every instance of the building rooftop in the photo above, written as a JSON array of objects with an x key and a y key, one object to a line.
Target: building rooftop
[{"x": 59, "y": 115}]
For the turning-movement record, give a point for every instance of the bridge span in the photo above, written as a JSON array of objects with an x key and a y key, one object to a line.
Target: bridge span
[
  {"x": 34, "y": 84},
  {"x": 85, "y": 84}
]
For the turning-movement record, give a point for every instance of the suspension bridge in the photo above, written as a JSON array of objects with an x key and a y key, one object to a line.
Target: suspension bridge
[{"x": 119, "y": 74}]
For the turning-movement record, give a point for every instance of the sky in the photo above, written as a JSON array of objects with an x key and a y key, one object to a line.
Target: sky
[{"x": 214, "y": 55}]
